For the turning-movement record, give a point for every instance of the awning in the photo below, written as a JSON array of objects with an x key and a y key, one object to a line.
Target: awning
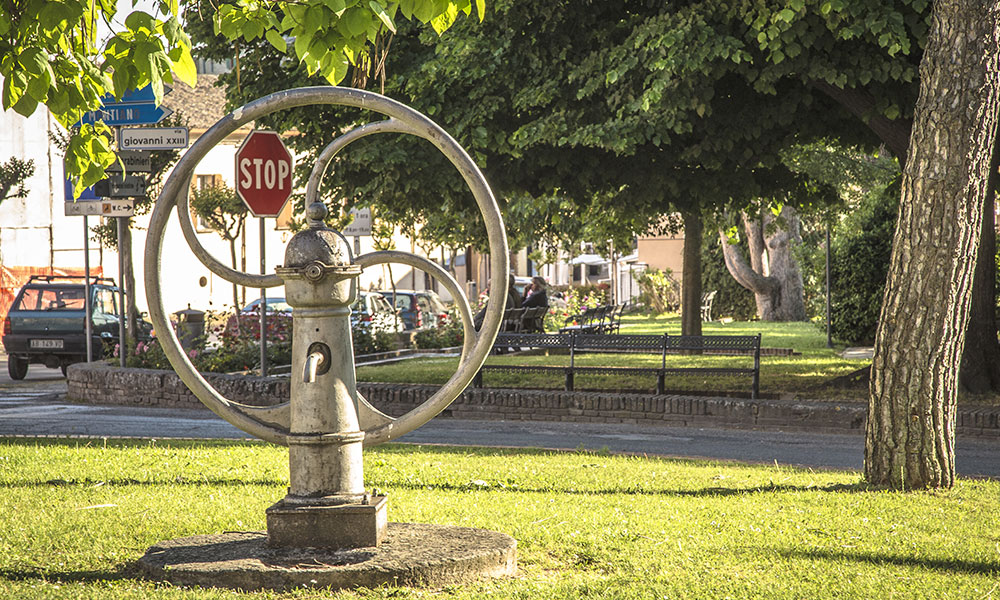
[{"x": 588, "y": 259}]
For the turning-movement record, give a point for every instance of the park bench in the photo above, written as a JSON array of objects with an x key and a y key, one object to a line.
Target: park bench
[
  {"x": 663, "y": 345},
  {"x": 524, "y": 320},
  {"x": 600, "y": 319}
]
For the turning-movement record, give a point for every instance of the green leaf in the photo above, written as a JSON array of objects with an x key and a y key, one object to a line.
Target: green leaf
[
  {"x": 185, "y": 68},
  {"x": 53, "y": 15},
  {"x": 481, "y": 9},
  {"x": 446, "y": 19},
  {"x": 34, "y": 60},
  {"x": 383, "y": 16},
  {"x": 357, "y": 21},
  {"x": 139, "y": 21},
  {"x": 25, "y": 106},
  {"x": 786, "y": 15},
  {"x": 276, "y": 40}
]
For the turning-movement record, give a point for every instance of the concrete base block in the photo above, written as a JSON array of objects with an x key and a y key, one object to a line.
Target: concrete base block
[
  {"x": 343, "y": 526},
  {"x": 412, "y": 554}
]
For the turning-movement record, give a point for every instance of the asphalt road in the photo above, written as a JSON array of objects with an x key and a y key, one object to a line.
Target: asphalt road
[{"x": 35, "y": 407}]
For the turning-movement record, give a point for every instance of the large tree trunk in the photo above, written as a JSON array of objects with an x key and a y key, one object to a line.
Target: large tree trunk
[
  {"x": 980, "y": 371},
  {"x": 691, "y": 275},
  {"x": 910, "y": 437},
  {"x": 772, "y": 275}
]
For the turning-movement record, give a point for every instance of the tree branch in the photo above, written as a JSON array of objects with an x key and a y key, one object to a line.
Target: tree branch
[{"x": 894, "y": 133}]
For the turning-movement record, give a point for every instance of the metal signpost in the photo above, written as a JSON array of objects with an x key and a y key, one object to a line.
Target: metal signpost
[
  {"x": 264, "y": 183},
  {"x": 326, "y": 513},
  {"x": 113, "y": 196}
]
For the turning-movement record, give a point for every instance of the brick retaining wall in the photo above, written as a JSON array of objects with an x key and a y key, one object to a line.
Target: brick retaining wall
[{"x": 102, "y": 384}]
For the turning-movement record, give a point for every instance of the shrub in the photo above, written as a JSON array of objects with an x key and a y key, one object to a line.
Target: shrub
[
  {"x": 366, "y": 341},
  {"x": 859, "y": 265},
  {"x": 233, "y": 352},
  {"x": 446, "y": 335},
  {"x": 660, "y": 292}
]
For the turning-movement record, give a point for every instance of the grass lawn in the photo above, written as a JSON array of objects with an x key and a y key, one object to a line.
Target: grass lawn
[
  {"x": 588, "y": 525},
  {"x": 802, "y": 375}
]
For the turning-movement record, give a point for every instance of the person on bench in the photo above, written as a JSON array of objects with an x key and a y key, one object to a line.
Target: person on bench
[
  {"x": 513, "y": 301},
  {"x": 535, "y": 295}
]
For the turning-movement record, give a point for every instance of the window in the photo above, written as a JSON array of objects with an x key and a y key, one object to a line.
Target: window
[
  {"x": 105, "y": 302},
  {"x": 201, "y": 182},
  {"x": 51, "y": 299}
]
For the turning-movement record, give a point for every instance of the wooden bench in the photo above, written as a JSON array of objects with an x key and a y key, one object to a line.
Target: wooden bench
[{"x": 663, "y": 345}]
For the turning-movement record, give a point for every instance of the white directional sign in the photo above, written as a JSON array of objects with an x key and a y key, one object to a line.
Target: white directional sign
[
  {"x": 153, "y": 138},
  {"x": 116, "y": 186},
  {"x": 135, "y": 161},
  {"x": 362, "y": 223},
  {"x": 124, "y": 207}
]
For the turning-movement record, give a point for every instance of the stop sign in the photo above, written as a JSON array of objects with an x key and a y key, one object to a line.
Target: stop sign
[{"x": 263, "y": 173}]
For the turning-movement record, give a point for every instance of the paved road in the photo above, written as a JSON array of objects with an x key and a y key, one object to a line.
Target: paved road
[{"x": 35, "y": 408}]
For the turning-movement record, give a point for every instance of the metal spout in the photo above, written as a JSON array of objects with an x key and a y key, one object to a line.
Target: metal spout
[{"x": 313, "y": 362}]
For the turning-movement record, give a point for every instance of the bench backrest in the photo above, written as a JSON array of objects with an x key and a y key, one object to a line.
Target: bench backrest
[
  {"x": 713, "y": 342},
  {"x": 621, "y": 343},
  {"x": 533, "y": 340}
]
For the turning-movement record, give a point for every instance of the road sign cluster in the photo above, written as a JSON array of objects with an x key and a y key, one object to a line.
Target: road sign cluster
[{"x": 136, "y": 107}]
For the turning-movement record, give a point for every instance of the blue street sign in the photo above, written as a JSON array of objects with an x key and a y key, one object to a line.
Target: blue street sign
[
  {"x": 141, "y": 95},
  {"x": 88, "y": 193},
  {"x": 137, "y": 107},
  {"x": 145, "y": 113}
]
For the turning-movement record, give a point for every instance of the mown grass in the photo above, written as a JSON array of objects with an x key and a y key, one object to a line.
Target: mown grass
[
  {"x": 588, "y": 525},
  {"x": 802, "y": 375}
]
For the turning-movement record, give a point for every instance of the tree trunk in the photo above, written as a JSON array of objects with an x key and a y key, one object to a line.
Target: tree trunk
[
  {"x": 772, "y": 275},
  {"x": 980, "y": 371},
  {"x": 691, "y": 275},
  {"x": 910, "y": 433}
]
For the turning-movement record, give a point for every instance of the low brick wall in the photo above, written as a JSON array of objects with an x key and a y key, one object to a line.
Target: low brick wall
[{"x": 101, "y": 384}]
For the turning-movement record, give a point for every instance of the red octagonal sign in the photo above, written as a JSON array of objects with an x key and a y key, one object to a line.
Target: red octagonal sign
[{"x": 264, "y": 173}]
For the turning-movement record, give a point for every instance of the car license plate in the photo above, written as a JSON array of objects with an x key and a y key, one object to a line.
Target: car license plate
[{"x": 47, "y": 344}]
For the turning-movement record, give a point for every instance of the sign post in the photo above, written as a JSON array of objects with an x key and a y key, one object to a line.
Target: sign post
[{"x": 264, "y": 183}]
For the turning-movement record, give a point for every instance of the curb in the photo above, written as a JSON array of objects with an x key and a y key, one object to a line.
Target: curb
[{"x": 99, "y": 384}]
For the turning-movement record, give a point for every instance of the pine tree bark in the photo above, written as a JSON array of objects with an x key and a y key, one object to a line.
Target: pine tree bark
[
  {"x": 910, "y": 433},
  {"x": 691, "y": 275},
  {"x": 980, "y": 372},
  {"x": 772, "y": 275}
]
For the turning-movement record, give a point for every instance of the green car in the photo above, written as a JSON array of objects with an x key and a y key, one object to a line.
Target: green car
[{"x": 45, "y": 324}]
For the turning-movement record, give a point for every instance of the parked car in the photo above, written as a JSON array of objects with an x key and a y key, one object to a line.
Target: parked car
[
  {"x": 273, "y": 305},
  {"x": 372, "y": 310},
  {"x": 249, "y": 315},
  {"x": 421, "y": 309},
  {"x": 45, "y": 324}
]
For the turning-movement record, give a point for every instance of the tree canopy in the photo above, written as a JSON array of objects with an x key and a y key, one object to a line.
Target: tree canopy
[
  {"x": 52, "y": 54},
  {"x": 595, "y": 119}
]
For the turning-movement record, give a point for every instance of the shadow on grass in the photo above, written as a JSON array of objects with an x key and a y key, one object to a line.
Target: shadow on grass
[
  {"x": 708, "y": 492},
  {"x": 135, "y": 482},
  {"x": 30, "y": 574},
  {"x": 945, "y": 565}
]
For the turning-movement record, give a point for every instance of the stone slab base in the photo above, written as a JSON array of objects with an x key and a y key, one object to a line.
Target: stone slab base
[
  {"x": 412, "y": 554},
  {"x": 342, "y": 526}
]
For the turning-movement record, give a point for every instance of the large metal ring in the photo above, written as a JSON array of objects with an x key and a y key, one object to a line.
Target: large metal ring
[{"x": 271, "y": 423}]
